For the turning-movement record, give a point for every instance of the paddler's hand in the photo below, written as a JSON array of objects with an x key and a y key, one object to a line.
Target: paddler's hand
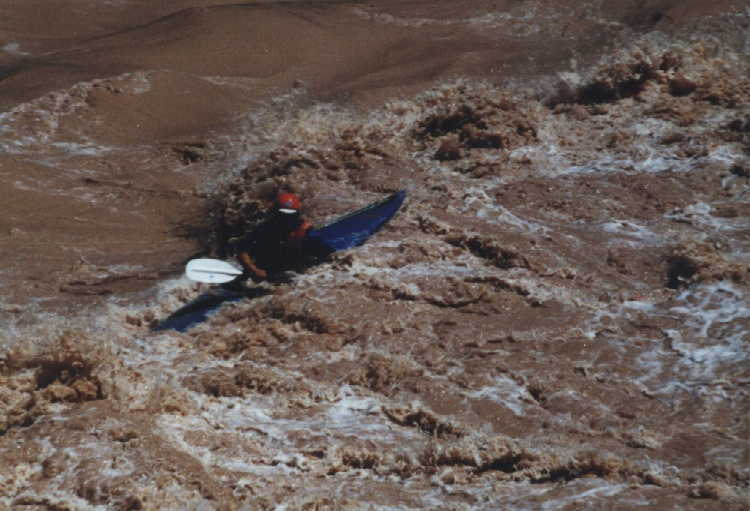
[
  {"x": 251, "y": 271},
  {"x": 259, "y": 275}
]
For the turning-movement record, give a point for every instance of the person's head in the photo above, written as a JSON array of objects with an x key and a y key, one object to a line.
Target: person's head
[
  {"x": 287, "y": 210},
  {"x": 288, "y": 203}
]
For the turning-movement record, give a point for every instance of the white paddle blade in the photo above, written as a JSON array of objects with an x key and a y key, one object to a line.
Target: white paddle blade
[{"x": 211, "y": 271}]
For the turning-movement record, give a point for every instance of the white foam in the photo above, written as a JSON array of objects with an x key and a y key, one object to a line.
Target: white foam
[
  {"x": 728, "y": 454},
  {"x": 726, "y": 154},
  {"x": 85, "y": 148},
  {"x": 260, "y": 418},
  {"x": 347, "y": 411},
  {"x": 590, "y": 490},
  {"x": 506, "y": 392},
  {"x": 34, "y": 127},
  {"x": 711, "y": 343},
  {"x": 700, "y": 215},
  {"x": 650, "y": 163},
  {"x": 14, "y": 48},
  {"x": 635, "y": 235},
  {"x": 478, "y": 203},
  {"x": 508, "y": 23},
  {"x": 712, "y": 305},
  {"x": 639, "y": 305}
]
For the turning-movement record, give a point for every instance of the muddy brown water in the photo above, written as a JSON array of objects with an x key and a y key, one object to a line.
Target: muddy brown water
[{"x": 557, "y": 319}]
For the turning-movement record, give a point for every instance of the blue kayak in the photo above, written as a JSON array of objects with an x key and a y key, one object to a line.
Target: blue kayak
[{"x": 355, "y": 228}]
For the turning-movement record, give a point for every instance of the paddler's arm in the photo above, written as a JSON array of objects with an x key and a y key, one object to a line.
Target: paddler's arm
[
  {"x": 250, "y": 266},
  {"x": 297, "y": 238}
]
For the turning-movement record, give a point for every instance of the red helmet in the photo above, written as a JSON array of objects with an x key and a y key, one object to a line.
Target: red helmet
[{"x": 288, "y": 203}]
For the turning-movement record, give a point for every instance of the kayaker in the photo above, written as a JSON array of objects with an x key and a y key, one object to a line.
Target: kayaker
[{"x": 275, "y": 245}]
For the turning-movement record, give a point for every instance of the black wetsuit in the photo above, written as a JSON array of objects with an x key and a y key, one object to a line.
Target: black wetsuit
[{"x": 273, "y": 245}]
